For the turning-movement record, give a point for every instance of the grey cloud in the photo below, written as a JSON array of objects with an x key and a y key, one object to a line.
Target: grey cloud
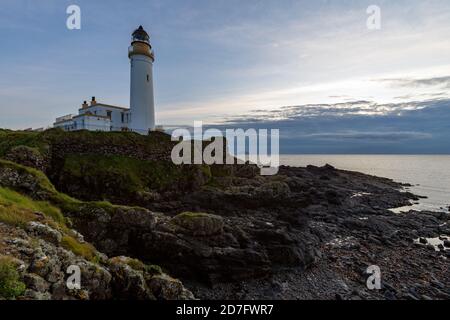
[
  {"x": 354, "y": 108},
  {"x": 424, "y": 82},
  {"x": 416, "y": 127},
  {"x": 387, "y": 136}
]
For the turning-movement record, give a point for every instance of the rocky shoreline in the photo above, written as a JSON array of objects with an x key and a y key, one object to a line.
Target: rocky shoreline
[
  {"x": 351, "y": 228},
  {"x": 225, "y": 231}
]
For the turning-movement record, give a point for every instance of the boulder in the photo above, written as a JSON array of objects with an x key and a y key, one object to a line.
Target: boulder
[
  {"x": 132, "y": 279},
  {"x": 35, "y": 282},
  {"x": 128, "y": 283},
  {"x": 45, "y": 232},
  {"x": 199, "y": 224},
  {"x": 165, "y": 287}
]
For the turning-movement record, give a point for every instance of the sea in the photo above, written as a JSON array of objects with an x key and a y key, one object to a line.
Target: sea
[{"x": 429, "y": 175}]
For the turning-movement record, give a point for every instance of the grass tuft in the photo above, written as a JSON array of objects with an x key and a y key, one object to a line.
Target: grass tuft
[
  {"x": 10, "y": 284},
  {"x": 85, "y": 250},
  {"x": 13, "y": 203}
]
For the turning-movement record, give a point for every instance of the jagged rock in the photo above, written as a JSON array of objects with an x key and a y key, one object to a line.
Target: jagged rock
[
  {"x": 78, "y": 236},
  {"x": 36, "y": 295},
  {"x": 200, "y": 248},
  {"x": 113, "y": 229},
  {"x": 44, "y": 232},
  {"x": 132, "y": 279},
  {"x": 271, "y": 190},
  {"x": 43, "y": 267},
  {"x": 27, "y": 156},
  {"x": 128, "y": 283},
  {"x": 35, "y": 282},
  {"x": 21, "y": 178},
  {"x": 167, "y": 288},
  {"x": 96, "y": 279}
]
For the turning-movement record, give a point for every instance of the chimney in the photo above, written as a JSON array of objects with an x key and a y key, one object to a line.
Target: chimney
[
  {"x": 93, "y": 102},
  {"x": 84, "y": 105}
]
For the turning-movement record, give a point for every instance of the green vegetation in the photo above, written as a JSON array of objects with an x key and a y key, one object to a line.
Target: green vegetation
[
  {"x": 199, "y": 224},
  {"x": 153, "y": 269},
  {"x": 115, "y": 177},
  {"x": 10, "y": 139},
  {"x": 105, "y": 138},
  {"x": 10, "y": 284},
  {"x": 18, "y": 210},
  {"x": 192, "y": 215},
  {"x": 42, "y": 140},
  {"x": 15, "y": 216},
  {"x": 15, "y": 201},
  {"x": 138, "y": 265},
  {"x": 55, "y": 201},
  {"x": 85, "y": 250},
  {"x": 111, "y": 166},
  {"x": 26, "y": 194},
  {"x": 41, "y": 179}
]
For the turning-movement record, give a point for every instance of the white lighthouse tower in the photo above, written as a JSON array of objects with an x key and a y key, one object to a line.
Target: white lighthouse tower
[{"x": 142, "y": 105}]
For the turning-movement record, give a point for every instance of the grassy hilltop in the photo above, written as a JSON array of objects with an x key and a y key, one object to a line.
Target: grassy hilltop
[{"x": 110, "y": 166}]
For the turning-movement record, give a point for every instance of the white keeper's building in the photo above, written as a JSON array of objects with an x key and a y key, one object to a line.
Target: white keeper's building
[{"x": 140, "y": 117}]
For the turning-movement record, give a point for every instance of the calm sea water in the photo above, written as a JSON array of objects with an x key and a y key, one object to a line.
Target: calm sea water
[{"x": 429, "y": 175}]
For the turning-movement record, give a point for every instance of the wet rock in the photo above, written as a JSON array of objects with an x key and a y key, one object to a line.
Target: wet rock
[{"x": 332, "y": 197}]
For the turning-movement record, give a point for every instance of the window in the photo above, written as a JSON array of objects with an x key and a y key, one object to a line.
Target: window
[
  {"x": 148, "y": 78},
  {"x": 123, "y": 117},
  {"x": 108, "y": 114}
]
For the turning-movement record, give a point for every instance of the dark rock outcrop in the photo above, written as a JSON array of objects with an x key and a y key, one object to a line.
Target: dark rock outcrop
[{"x": 226, "y": 231}]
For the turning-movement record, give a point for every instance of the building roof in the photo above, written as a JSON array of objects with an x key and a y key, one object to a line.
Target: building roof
[
  {"x": 105, "y": 105},
  {"x": 91, "y": 115},
  {"x": 62, "y": 121}
]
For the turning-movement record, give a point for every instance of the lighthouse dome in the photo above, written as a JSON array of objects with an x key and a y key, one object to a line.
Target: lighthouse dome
[{"x": 140, "y": 35}]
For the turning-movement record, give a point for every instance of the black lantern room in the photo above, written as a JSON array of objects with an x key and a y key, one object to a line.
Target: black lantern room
[{"x": 140, "y": 35}]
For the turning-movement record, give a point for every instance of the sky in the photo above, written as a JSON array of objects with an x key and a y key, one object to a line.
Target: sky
[{"x": 313, "y": 69}]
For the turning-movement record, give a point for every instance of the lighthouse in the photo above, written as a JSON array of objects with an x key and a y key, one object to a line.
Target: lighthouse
[
  {"x": 142, "y": 104},
  {"x": 140, "y": 117}
]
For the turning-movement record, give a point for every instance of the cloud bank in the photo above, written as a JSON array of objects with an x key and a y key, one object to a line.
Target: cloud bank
[{"x": 357, "y": 127}]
